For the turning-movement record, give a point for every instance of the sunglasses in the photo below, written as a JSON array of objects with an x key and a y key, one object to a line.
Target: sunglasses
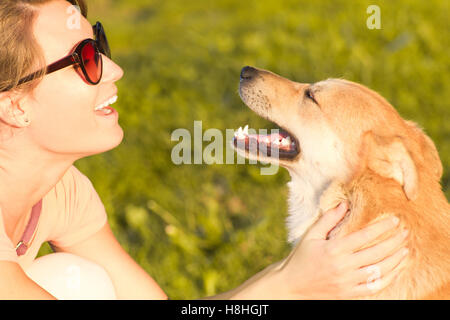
[{"x": 86, "y": 55}]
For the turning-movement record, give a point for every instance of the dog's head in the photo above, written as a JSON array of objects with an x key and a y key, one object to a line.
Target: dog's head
[{"x": 334, "y": 128}]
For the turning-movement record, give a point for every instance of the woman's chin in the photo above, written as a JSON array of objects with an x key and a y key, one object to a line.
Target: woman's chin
[
  {"x": 105, "y": 142},
  {"x": 114, "y": 139}
]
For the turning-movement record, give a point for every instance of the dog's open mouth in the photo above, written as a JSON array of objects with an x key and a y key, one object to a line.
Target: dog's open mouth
[{"x": 281, "y": 145}]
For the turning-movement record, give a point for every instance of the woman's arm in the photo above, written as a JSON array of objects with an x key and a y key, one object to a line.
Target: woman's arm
[
  {"x": 316, "y": 269},
  {"x": 330, "y": 269}
]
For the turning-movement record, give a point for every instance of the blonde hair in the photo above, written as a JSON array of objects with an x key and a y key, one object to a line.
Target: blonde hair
[{"x": 20, "y": 54}]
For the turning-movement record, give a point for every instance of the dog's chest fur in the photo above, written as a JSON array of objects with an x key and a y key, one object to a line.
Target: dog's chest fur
[{"x": 307, "y": 202}]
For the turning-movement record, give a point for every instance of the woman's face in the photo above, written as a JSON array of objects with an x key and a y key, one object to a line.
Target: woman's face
[{"x": 61, "y": 107}]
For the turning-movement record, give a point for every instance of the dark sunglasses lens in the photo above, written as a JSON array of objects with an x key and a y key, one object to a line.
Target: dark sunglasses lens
[
  {"x": 92, "y": 62},
  {"x": 101, "y": 40}
]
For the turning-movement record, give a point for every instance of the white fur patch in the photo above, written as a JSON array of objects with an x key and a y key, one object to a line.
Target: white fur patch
[{"x": 321, "y": 163}]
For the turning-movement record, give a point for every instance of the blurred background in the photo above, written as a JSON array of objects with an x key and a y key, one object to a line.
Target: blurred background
[{"x": 204, "y": 229}]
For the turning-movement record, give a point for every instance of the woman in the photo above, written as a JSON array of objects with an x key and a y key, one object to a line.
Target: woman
[{"x": 48, "y": 121}]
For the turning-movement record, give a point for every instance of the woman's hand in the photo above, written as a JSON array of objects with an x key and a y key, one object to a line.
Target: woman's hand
[{"x": 334, "y": 269}]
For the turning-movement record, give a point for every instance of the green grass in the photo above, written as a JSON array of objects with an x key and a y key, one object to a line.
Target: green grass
[{"x": 203, "y": 229}]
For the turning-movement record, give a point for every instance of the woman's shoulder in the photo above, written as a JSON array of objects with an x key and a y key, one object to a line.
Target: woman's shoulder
[
  {"x": 78, "y": 210},
  {"x": 74, "y": 175},
  {"x": 73, "y": 190},
  {"x": 74, "y": 182}
]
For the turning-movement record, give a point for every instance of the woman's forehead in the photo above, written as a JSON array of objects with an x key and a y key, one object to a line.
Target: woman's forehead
[{"x": 58, "y": 28}]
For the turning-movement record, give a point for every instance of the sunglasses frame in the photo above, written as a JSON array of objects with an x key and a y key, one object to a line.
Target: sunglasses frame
[{"x": 100, "y": 45}]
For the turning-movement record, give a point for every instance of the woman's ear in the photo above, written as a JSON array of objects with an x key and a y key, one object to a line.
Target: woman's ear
[
  {"x": 388, "y": 157},
  {"x": 12, "y": 111}
]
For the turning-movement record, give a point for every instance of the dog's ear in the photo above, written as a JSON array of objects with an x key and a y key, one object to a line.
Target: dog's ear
[
  {"x": 429, "y": 153},
  {"x": 388, "y": 157}
]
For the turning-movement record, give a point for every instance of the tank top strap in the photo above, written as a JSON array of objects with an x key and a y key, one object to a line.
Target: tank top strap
[{"x": 30, "y": 229}]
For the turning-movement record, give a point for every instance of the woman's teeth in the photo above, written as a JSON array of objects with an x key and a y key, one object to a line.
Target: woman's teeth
[{"x": 106, "y": 103}]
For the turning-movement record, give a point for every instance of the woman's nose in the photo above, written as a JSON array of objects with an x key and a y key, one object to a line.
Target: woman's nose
[{"x": 111, "y": 71}]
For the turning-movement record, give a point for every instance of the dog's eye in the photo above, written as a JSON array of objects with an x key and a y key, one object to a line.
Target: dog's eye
[{"x": 310, "y": 95}]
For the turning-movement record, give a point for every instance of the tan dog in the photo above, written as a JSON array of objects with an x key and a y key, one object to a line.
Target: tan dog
[{"x": 344, "y": 141}]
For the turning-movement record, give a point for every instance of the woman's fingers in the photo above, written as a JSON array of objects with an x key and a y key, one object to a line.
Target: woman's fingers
[
  {"x": 369, "y": 288},
  {"x": 378, "y": 252},
  {"x": 380, "y": 269},
  {"x": 327, "y": 222},
  {"x": 358, "y": 239}
]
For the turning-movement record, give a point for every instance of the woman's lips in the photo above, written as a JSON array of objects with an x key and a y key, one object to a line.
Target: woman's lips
[{"x": 106, "y": 112}]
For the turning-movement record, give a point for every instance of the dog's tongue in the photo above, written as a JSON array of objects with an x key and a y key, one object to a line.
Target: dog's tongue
[
  {"x": 268, "y": 138},
  {"x": 267, "y": 143},
  {"x": 277, "y": 140}
]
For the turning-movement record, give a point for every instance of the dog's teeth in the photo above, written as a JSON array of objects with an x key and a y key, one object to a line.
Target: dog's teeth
[
  {"x": 246, "y": 129},
  {"x": 286, "y": 142},
  {"x": 240, "y": 133}
]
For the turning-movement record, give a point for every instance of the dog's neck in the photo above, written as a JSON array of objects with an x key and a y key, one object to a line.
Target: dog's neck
[{"x": 305, "y": 201}]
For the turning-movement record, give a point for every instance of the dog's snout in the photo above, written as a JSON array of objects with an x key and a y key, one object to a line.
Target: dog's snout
[{"x": 248, "y": 73}]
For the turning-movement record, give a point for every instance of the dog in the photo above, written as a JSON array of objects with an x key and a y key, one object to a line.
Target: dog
[{"x": 342, "y": 141}]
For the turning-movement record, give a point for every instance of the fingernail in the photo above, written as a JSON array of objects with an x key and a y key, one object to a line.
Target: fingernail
[
  {"x": 405, "y": 233},
  {"x": 395, "y": 220},
  {"x": 405, "y": 251}
]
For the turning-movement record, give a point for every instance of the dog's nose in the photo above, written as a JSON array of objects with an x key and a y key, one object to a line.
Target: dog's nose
[{"x": 248, "y": 72}]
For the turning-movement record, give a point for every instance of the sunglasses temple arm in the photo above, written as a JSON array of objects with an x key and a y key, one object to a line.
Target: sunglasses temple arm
[{"x": 60, "y": 64}]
